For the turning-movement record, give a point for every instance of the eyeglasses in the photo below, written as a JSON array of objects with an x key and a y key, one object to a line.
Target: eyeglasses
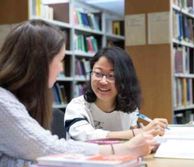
[{"x": 100, "y": 75}]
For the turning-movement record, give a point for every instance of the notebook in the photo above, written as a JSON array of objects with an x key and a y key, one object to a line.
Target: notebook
[
  {"x": 80, "y": 160},
  {"x": 178, "y": 142}
]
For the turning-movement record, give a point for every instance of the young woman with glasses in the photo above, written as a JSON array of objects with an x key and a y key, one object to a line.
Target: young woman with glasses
[{"x": 112, "y": 99}]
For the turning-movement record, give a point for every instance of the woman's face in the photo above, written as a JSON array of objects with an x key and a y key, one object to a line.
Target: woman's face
[
  {"x": 103, "y": 80},
  {"x": 56, "y": 66}
]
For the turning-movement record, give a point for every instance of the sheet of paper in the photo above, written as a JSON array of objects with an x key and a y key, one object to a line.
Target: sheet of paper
[
  {"x": 158, "y": 28},
  {"x": 183, "y": 149},
  {"x": 179, "y": 133},
  {"x": 135, "y": 29}
]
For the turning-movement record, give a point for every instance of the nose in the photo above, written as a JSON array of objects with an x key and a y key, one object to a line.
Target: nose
[{"x": 104, "y": 80}]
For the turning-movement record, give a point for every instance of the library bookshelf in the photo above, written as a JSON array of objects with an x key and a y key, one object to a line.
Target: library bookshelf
[
  {"x": 88, "y": 28},
  {"x": 163, "y": 56}
]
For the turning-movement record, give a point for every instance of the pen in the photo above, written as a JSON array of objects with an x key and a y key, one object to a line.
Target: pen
[{"x": 146, "y": 118}]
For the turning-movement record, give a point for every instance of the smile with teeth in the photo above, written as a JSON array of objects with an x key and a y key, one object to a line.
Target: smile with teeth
[{"x": 103, "y": 89}]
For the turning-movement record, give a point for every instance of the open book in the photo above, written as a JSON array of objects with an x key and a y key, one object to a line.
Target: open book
[
  {"x": 79, "y": 160},
  {"x": 178, "y": 142}
]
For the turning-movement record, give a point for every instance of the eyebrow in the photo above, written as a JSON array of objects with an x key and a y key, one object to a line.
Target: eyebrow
[{"x": 99, "y": 68}]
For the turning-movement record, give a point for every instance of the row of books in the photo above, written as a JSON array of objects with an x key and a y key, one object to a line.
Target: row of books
[
  {"x": 59, "y": 94},
  {"x": 184, "y": 117},
  {"x": 82, "y": 67},
  {"x": 79, "y": 89},
  {"x": 85, "y": 43},
  {"x": 81, "y": 17},
  {"x": 57, "y": 11},
  {"x": 183, "y": 92},
  {"x": 183, "y": 59},
  {"x": 86, "y": 19},
  {"x": 183, "y": 27},
  {"x": 37, "y": 10},
  {"x": 118, "y": 27},
  {"x": 47, "y": 12},
  {"x": 188, "y": 5},
  {"x": 42, "y": 10}
]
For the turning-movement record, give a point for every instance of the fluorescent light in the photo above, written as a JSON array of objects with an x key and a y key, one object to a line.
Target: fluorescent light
[
  {"x": 54, "y": 1},
  {"x": 100, "y": 1}
]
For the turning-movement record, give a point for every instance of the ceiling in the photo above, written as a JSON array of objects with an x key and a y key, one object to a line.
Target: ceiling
[{"x": 116, "y": 6}]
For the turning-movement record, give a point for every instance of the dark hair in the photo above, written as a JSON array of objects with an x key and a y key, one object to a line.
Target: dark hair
[
  {"x": 24, "y": 65},
  {"x": 126, "y": 82}
]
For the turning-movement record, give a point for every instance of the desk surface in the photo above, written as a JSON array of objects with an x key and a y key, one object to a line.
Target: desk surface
[{"x": 164, "y": 162}]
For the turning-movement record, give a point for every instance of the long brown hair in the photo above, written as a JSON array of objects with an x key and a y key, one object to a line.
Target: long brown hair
[{"x": 24, "y": 65}]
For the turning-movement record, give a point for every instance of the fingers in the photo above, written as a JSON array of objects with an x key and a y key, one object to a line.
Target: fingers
[
  {"x": 158, "y": 125},
  {"x": 152, "y": 132},
  {"x": 153, "y": 128},
  {"x": 149, "y": 141},
  {"x": 142, "y": 144},
  {"x": 161, "y": 121},
  {"x": 162, "y": 125}
]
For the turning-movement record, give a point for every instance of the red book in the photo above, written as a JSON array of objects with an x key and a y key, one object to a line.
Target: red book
[{"x": 80, "y": 160}]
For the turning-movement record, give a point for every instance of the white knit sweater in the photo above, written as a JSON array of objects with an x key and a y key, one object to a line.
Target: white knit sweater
[{"x": 22, "y": 138}]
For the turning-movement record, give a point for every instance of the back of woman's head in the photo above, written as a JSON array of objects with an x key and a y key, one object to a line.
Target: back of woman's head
[
  {"x": 24, "y": 63},
  {"x": 126, "y": 82}
]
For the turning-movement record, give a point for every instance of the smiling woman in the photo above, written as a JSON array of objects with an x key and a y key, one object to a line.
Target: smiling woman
[{"x": 111, "y": 100}]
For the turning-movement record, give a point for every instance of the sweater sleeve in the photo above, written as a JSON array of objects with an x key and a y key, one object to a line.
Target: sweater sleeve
[
  {"x": 22, "y": 137},
  {"x": 79, "y": 124}
]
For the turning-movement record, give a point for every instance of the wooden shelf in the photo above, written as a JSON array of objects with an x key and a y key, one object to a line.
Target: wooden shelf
[{"x": 166, "y": 92}]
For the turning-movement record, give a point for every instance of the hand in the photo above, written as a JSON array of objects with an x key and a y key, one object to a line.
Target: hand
[
  {"x": 140, "y": 145},
  {"x": 143, "y": 143},
  {"x": 158, "y": 125}
]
